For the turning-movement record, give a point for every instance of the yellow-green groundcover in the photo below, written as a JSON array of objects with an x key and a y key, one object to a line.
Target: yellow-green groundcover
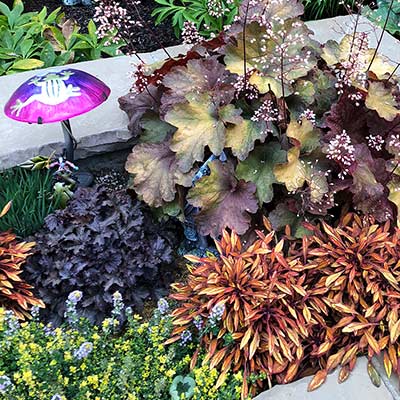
[{"x": 77, "y": 360}]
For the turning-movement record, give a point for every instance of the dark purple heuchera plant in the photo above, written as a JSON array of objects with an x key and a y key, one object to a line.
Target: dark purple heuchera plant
[
  {"x": 305, "y": 127},
  {"x": 101, "y": 243}
]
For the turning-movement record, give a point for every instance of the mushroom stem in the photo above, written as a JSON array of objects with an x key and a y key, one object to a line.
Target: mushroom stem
[{"x": 70, "y": 141}]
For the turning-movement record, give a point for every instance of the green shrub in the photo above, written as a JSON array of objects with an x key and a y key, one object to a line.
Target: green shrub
[
  {"x": 209, "y": 17},
  {"x": 79, "y": 361},
  {"x": 31, "y": 193},
  {"x": 37, "y": 40}
]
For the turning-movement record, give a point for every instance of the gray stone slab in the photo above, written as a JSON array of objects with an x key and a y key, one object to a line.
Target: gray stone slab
[
  {"x": 104, "y": 129},
  {"x": 357, "y": 387}
]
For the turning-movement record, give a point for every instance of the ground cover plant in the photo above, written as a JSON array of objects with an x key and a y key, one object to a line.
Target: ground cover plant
[
  {"x": 385, "y": 14},
  {"x": 100, "y": 243},
  {"x": 271, "y": 113},
  {"x": 83, "y": 361},
  {"x": 33, "y": 40}
]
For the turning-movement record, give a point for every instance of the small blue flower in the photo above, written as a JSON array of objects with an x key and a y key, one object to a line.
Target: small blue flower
[
  {"x": 75, "y": 297},
  {"x": 84, "y": 350},
  {"x": 162, "y": 306},
  {"x": 198, "y": 322},
  {"x": 216, "y": 314},
  {"x": 186, "y": 337},
  {"x": 56, "y": 397},
  {"x": 5, "y": 383}
]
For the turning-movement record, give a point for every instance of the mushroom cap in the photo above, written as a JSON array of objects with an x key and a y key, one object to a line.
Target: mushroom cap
[{"x": 56, "y": 96}]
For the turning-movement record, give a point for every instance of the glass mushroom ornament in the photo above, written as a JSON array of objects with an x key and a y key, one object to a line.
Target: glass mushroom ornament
[{"x": 57, "y": 96}]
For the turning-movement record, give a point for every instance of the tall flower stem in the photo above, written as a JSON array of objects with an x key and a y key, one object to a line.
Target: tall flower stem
[{"x": 381, "y": 37}]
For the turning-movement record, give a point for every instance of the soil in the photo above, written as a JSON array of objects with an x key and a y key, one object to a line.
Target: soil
[{"x": 144, "y": 42}]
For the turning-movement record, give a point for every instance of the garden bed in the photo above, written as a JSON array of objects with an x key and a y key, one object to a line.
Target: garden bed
[
  {"x": 144, "y": 42},
  {"x": 268, "y": 158}
]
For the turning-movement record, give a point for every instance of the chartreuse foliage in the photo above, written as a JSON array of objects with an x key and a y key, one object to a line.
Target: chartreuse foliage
[
  {"x": 15, "y": 294},
  {"x": 283, "y": 314},
  {"x": 84, "y": 361},
  {"x": 303, "y": 127}
]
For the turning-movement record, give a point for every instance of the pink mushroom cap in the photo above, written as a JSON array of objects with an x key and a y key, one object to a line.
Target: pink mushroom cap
[{"x": 56, "y": 96}]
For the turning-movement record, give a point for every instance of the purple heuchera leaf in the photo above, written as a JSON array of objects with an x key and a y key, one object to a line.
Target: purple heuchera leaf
[{"x": 99, "y": 244}]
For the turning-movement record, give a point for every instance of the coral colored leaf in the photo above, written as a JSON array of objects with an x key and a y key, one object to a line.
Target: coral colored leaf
[
  {"x": 242, "y": 137},
  {"x": 304, "y": 135},
  {"x": 381, "y": 100},
  {"x": 293, "y": 173},
  {"x": 344, "y": 373},
  {"x": 223, "y": 201},
  {"x": 200, "y": 122},
  {"x": 318, "y": 379},
  {"x": 5, "y": 209},
  {"x": 387, "y": 363},
  {"x": 155, "y": 173},
  {"x": 372, "y": 342},
  {"x": 394, "y": 196},
  {"x": 259, "y": 169}
]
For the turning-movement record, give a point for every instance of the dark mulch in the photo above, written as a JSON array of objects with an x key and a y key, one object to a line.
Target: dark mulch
[{"x": 144, "y": 40}]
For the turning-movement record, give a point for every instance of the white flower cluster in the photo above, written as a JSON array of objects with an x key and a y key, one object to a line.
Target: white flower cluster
[
  {"x": 342, "y": 151},
  {"x": 376, "y": 142}
]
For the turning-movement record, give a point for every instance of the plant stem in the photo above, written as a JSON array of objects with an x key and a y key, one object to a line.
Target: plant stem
[
  {"x": 244, "y": 43},
  {"x": 381, "y": 37},
  {"x": 355, "y": 32},
  {"x": 394, "y": 71}
]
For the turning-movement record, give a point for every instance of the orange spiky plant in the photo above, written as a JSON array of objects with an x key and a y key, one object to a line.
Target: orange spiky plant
[
  {"x": 267, "y": 312},
  {"x": 355, "y": 268},
  {"x": 15, "y": 294}
]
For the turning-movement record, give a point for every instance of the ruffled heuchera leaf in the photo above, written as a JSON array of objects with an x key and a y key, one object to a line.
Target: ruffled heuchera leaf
[
  {"x": 241, "y": 138},
  {"x": 224, "y": 201},
  {"x": 369, "y": 195},
  {"x": 265, "y": 84},
  {"x": 155, "y": 173},
  {"x": 200, "y": 123},
  {"x": 282, "y": 216},
  {"x": 154, "y": 129},
  {"x": 199, "y": 76},
  {"x": 381, "y": 99},
  {"x": 136, "y": 105},
  {"x": 259, "y": 46},
  {"x": 259, "y": 169},
  {"x": 341, "y": 117},
  {"x": 304, "y": 135},
  {"x": 334, "y": 53},
  {"x": 293, "y": 173},
  {"x": 316, "y": 92}
]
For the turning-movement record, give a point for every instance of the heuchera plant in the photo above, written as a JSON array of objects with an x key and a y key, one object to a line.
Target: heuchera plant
[
  {"x": 100, "y": 243},
  {"x": 303, "y": 127}
]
